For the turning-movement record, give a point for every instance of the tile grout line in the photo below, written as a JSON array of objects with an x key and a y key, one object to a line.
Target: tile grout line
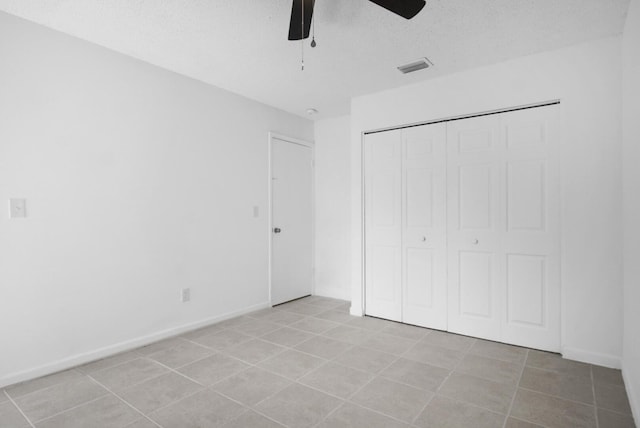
[
  {"x": 210, "y": 388},
  {"x": 617, "y": 412},
  {"x": 296, "y": 381},
  {"x": 291, "y": 382},
  {"x": 137, "y": 383},
  {"x": 106, "y": 394},
  {"x": 182, "y": 339},
  {"x": 246, "y": 406},
  {"x": 258, "y": 364},
  {"x": 513, "y": 399},
  {"x": 375, "y": 375},
  {"x": 413, "y": 421},
  {"x": 475, "y": 406},
  {"x": 125, "y": 402},
  {"x": 68, "y": 409},
  {"x": 559, "y": 397},
  {"x": 379, "y": 374},
  {"x": 350, "y": 396},
  {"x": 73, "y": 369},
  {"x": 558, "y": 371},
  {"x": 287, "y": 347},
  {"x": 73, "y": 408},
  {"x": 251, "y": 407},
  {"x": 214, "y": 352},
  {"x": 435, "y": 393},
  {"x": 171, "y": 370},
  {"x": 261, "y": 337},
  {"x": 11, "y": 400},
  {"x": 377, "y": 412},
  {"x": 593, "y": 391},
  {"x": 137, "y": 356},
  {"x": 255, "y": 365},
  {"x": 279, "y": 327},
  {"x": 294, "y": 347}
]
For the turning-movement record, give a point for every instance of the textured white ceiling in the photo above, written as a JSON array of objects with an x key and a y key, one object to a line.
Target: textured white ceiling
[{"x": 242, "y": 46}]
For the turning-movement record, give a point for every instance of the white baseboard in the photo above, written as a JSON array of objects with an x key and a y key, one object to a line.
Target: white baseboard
[
  {"x": 356, "y": 311},
  {"x": 606, "y": 360},
  {"x": 334, "y": 293},
  {"x": 107, "y": 351},
  {"x": 632, "y": 393}
]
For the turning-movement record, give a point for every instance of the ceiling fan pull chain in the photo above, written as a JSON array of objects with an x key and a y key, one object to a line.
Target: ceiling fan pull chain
[
  {"x": 302, "y": 38},
  {"x": 313, "y": 35}
]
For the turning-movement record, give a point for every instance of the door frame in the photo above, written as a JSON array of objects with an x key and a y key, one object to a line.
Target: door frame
[
  {"x": 361, "y": 311},
  {"x": 270, "y": 137}
]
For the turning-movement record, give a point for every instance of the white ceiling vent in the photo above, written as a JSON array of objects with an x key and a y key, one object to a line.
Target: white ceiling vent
[{"x": 421, "y": 64}]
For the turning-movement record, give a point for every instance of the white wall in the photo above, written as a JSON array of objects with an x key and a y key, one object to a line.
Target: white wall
[
  {"x": 631, "y": 169},
  {"x": 586, "y": 78},
  {"x": 333, "y": 208},
  {"x": 138, "y": 182}
]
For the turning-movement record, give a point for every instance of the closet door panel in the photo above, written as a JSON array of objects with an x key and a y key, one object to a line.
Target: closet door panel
[
  {"x": 424, "y": 288},
  {"x": 531, "y": 239},
  {"x": 419, "y": 197},
  {"x": 526, "y": 195},
  {"x": 503, "y": 230},
  {"x": 526, "y": 289},
  {"x": 475, "y": 266},
  {"x": 384, "y": 268},
  {"x": 419, "y": 281},
  {"x": 475, "y": 273},
  {"x": 383, "y": 225},
  {"x": 475, "y": 191}
]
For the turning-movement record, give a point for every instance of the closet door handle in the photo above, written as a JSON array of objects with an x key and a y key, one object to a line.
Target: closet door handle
[
  {"x": 424, "y": 239},
  {"x": 476, "y": 241}
]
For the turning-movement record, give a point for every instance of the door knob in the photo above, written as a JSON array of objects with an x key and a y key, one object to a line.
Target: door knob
[
  {"x": 476, "y": 242},
  {"x": 277, "y": 230},
  {"x": 424, "y": 239}
]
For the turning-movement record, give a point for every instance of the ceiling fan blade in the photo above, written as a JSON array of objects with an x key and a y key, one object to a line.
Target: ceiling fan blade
[
  {"x": 405, "y": 8},
  {"x": 297, "y": 22}
]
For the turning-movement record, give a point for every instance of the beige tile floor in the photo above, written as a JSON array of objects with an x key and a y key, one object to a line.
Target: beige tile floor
[{"x": 309, "y": 363}]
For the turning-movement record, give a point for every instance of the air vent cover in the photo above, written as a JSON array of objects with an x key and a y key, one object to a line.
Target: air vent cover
[{"x": 421, "y": 64}]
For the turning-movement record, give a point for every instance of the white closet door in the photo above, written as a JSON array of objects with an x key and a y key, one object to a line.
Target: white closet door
[
  {"x": 424, "y": 239},
  {"x": 476, "y": 280},
  {"x": 503, "y": 221},
  {"x": 383, "y": 225},
  {"x": 531, "y": 238}
]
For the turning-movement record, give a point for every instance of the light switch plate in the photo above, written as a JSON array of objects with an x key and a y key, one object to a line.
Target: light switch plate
[{"x": 17, "y": 208}]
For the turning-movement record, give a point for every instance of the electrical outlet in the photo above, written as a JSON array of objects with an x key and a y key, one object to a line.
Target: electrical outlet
[{"x": 185, "y": 295}]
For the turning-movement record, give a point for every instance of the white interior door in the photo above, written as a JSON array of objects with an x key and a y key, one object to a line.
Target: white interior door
[
  {"x": 424, "y": 226},
  {"x": 383, "y": 225},
  {"x": 475, "y": 267},
  {"x": 292, "y": 217},
  {"x": 503, "y": 221},
  {"x": 532, "y": 231}
]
